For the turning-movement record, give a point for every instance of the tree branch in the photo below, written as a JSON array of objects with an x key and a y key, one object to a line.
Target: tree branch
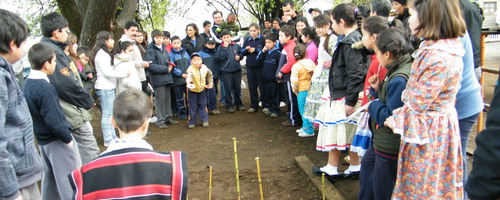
[{"x": 71, "y": 12}]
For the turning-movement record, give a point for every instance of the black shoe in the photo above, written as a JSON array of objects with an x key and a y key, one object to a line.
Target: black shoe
[
  {"x": 349, "y": 174},
  {"x": 171, "y": 122},
  {"x": 317, "y": 171}
]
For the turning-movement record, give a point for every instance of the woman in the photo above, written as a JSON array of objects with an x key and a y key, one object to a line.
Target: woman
[
  {"x": 430, "y": 159},
  {"x": 105, "y": 85},
  {"x": 193, "y": 41},
  {"x": 300, "y": 24}
]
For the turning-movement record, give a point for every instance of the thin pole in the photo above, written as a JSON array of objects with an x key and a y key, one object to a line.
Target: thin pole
[
  {"x": 257, "y": 160},
  {"x": 323, "y": 185},
  {"x": 237, "y": 170},
  {"x": 210, "y": 184}
]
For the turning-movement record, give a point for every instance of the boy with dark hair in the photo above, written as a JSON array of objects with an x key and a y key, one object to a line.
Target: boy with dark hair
[
  {"x": 270, "y": 56},
  {"x": 74, "y": 99},
  {"x": 19, "y": 171},
  {"x": 208, "y": 56},
  {"x": 181, "y": 59},
  {"x": 199, "y": 79},
  {"x": 380, "y": 8},
  {"x": 229, "y": 56},
  {"x": 207, "y": 25},
  {"x": 129, "y": 168},
  {"x": 287, "y": 60},
  {"x": 85, "y": 70},
  {"x": 166, "y": 41},
  {"x": 52, "y": 131},
  {"x": 161, "y": 79}
]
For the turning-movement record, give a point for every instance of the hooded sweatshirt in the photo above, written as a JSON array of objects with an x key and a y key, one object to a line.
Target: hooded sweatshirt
[
  {"x": 125, "y": 63},
  {"x": 302, "y": 72}
]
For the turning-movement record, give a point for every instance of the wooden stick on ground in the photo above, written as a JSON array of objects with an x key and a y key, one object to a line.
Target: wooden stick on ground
[
  {"x": 257, "y": 160},
  {"x": 237, "y": 170},
  {"x": 210, "y": 184},
  {"x": 323, "y": 187}
]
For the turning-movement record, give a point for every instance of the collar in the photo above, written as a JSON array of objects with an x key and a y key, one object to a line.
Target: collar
[
  {"x": 37, "y": 74},
  {"x": 118, "y": 144},
  {"x": 159, "y": 46},
  {"x": 251, "y": 38},
  {"x": 126, "y": 38}
]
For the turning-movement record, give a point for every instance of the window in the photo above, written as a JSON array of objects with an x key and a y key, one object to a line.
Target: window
[{"x": 490, "y": 7}]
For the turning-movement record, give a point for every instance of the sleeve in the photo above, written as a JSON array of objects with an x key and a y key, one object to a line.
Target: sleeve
[
  {"x": 355, "y": 74},
  {"x": 126, "y": 67},
  {"x": 70, "y": 89},
  {"x": 238, "y": 51},
  {"x": 177, "y": 72},
  {"x": 290, "y": 61},
  {"x": 8, "y": 179},
  {"x": 104, "y": 63},
  {"x": 244, "y": 51},
  {"x": 373, "y": 93},
  {"x": 189, "y": 77},
  {"x": 380, "y": 111},
  {"x": 294, "y": 78},
  {"x": 312, "y": 53},
  {"x": 57, "y": 121},
  {"x": 155, "y": 67},
  {"x": 260, "y": 57},
  {"x": 210, "y": 77},
  {"x": 221, "y": 53}
]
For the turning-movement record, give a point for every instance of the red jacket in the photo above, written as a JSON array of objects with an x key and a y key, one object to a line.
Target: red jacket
[{"x": 290, "y": 58}]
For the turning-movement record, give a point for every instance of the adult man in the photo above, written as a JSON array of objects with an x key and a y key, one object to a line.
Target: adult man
[
  {"x": 130, "y": 31},
  {"x": 217, "y": 16},
  {"x": 20, "y": 164},
  {"x": 289, "y": 14},
  {"x": 74, "y": 99},
  {"x": 207, "y": 25}
]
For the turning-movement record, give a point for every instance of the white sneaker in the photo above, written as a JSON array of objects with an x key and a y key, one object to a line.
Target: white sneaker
[
  {"x": 303, "y": 134},
  {"x": 260, "y": 104},
  {"x": 299, "y": 130},
  {"x": 282, "y": 104},
  {"x": 153, "y": 119}
]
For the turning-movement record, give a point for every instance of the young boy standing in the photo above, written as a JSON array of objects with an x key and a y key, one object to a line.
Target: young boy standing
[
  {"x": 161, "y": 79},
  {"x": 52, "y": 131},
  {"x": 252, "y": 47},
  {"x": 20, "y": 170},
  {"x": 180, "y": 57},
  {"x": 229, "y": 56},
  {"x": 130, "y": 166},
  {"x": 270, "y": 56},
  {"x": 199, "y": 78},
  {"x": 208, "y": 56}
]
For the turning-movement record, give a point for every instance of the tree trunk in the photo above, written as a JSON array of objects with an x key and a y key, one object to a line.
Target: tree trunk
[
  {"x": 99, "y": 17},
  {"x": 70, "y": 10},
  {"x": 127, "y": 13}
]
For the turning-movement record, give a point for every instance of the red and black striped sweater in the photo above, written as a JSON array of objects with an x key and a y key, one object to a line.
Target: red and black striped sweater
[{"x": 132, "y": 173}]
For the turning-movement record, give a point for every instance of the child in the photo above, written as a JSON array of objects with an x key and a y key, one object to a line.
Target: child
[
  {"x": 311, "y": 40},
  {"x": 371, "y": 29},
  {"x": 198, "y": 78},
  {"x": 129, "y": 168},
  {"x": 228, "y": 55},
  {"x": 430, "y": 158},
  {"x": 300, "y": 81},
  {"x": 208, "y": 56},
  {"x": 287, "y": 60},
  {"x": 52, "y": 131},
  {"x": 180, "y": 58},
  {"x": 124, "y": 62},
  {"x": 270, "y": 56},
  {"x": 319, "y": 80},
  {"x": 253, "y": 45},
  {"x": 379, "y": 163},
  {"x": 344, "y": 84},
  {"x": 161, "y": 79},
  {"x": 86, "y": 71},
  {"x": 231, "y": 24},
  {"x": 20, "y": 170}
]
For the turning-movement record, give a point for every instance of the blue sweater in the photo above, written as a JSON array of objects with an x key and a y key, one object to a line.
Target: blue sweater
[
  {"x": 469, "y": 101},
  {"x": 257, "y": 43},
  {"x": 380, "y": 111},
  {"x": 269, "y": 60},
  {"x": 182, "y": 61},
  {"x": 208, "y": 56},
  {"x": 49, "y": 123},
  {"x": 226, "y": 58}
]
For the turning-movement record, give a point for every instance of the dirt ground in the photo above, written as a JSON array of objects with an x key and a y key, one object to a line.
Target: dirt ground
[{"x": 257, "y": 136}]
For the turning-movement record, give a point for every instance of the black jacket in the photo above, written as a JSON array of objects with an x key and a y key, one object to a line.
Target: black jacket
[
  {"x": 474, "y": 22},
  {"x": 190, "y": 48},
  {"x": 208, "y": 56},
  {"x": 484, "y": 179},
  {"x": 225, "y": 58},
  {"x": 68, "y": 85},
  {"x": 159, "y": 66},
  {"x": 269, "y": 61},
  {"x": 348, "y": 70},
  {"x": 257, "y": 43}
]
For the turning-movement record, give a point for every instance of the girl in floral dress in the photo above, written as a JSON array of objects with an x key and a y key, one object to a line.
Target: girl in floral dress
[
  {"x": 319, "y": 80},
  {"x": 430, "y": 159}
]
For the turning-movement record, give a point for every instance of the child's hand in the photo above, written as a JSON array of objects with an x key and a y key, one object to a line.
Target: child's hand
[
  {"x": 264, "y": 49},
  {"x": 170, "y": 67},
  {"x": 225, "y": 44},
  {"x": 70, "y": 143},
  {"x": 251, "y": 50},
  {"x": 349, "y": 110},
  {"x": 145, "y": 64},
  {"x": 280, "y": 75},
  {"x": 389, "y": 122},
  {"x": 90, "y": 76},
  {"x": 374, "y": 82},
  {"x": 247, "y": 47},
  {"x": 184, "y": 75},
  {"x": 209, "y": 86},
  {"x": 237, "y": 58}
]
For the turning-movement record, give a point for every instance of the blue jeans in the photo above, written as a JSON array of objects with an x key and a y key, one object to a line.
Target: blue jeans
[
  {"x": 465, "y": 126},
  {"x": 107, "y": 97},
  {"x": 307, "y": 126}
]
